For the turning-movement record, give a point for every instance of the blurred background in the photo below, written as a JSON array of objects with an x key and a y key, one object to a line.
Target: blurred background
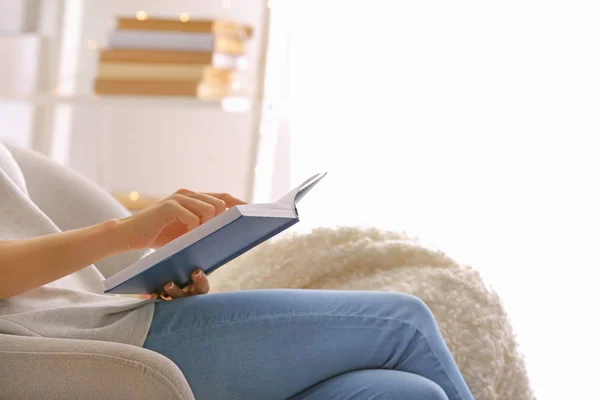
[{"x": 473, "y": 125}]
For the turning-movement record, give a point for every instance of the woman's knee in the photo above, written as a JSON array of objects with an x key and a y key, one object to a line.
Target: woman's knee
[
  {"x": 377, "y": 384},
  {"x": 394, "y": 385},
  {"x": 429, "y": 390},
  {"x": 410, "y": 309}
]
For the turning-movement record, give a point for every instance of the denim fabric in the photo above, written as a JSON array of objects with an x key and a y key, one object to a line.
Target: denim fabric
[{"x": 307, "y": 344}]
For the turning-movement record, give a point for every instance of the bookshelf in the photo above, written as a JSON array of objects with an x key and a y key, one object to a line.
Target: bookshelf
[
  {"x": 228, "y": 104},
  {"x": 152, "y": 145}
]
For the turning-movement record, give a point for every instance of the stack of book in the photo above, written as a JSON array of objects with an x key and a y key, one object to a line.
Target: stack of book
[{"x": 167, "y": 57}]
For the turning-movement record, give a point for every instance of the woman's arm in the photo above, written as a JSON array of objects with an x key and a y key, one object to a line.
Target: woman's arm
[{"x": 30, "y": 263}]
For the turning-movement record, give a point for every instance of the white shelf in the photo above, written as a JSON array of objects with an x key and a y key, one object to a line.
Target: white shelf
[
  {"x": 20, "y": 56},
  {"x": 229, "y": 104}
]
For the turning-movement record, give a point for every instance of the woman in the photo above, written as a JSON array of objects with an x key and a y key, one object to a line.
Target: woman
[{"x": 271, "y": 344}]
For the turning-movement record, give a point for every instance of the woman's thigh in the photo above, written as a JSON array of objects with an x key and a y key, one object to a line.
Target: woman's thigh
[{"x": 273, "y": 344}]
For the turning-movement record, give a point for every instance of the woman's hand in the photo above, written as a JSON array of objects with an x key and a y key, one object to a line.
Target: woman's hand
[
  {"x": 173, "y": 216},
  {"x": 168, "y": 219},
  {"x": 51, "y": 257},
  {"x": 198, "y": 286}
]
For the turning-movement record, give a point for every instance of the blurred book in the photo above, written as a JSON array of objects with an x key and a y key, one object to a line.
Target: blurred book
[
  {"x": 218, "y": 27},
  {"x": 137, "y": 87},
  {"x": 197, "y": 58},
  {"x": 168, "y": 72},
  {"x": 160, "y": 40},
  {"x": 170, "y": 57}
]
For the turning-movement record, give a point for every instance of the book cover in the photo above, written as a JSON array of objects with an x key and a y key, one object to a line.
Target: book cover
[{"x": 211, "y": 245}]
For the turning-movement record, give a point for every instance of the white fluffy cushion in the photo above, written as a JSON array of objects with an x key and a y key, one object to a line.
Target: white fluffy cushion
[{"x": 470, "y": 315}]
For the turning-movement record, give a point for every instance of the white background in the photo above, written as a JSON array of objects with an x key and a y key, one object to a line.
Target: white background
[{"x": 474, "y": 125}]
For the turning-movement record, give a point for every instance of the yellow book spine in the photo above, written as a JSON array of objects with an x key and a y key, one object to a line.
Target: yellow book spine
[
  {"x": 218, "y": 27},
  {"x": 163, "y": 72}
]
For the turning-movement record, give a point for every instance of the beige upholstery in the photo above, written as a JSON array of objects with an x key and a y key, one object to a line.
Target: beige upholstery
[{"x": 43, "y": 368}]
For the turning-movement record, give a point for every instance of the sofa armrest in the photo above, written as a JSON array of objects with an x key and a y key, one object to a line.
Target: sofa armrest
[{"x": 43, "y": 368}]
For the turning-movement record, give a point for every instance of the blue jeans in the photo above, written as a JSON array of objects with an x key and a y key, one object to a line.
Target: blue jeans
[{"x": 307, "y": 344}]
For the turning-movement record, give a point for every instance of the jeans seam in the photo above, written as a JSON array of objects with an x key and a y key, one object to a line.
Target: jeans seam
[
  {"x": 279, "y": 316},
  {"x": 437, "y": 359}
]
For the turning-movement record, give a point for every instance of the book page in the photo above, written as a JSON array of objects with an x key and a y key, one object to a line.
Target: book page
[{"x": 296, "y": 194}]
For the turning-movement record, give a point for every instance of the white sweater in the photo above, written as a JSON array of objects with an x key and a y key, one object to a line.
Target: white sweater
[{"x": 72, "y": 307}]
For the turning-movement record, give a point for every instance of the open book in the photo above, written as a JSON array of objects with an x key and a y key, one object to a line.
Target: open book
[{"x": 210, "y": 245}]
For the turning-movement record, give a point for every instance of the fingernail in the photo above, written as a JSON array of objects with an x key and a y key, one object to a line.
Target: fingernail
[
  {"x": 153, "y": 296},
  {"x": 198, "y": 274},
  {"x": 169, "y": 286}
]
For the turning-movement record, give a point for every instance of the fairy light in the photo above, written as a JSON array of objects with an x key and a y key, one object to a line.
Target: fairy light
[
  {"x": 184, "y": 17},
  {"x": 134, "y": 196},
  {"x": 141, "y": 15}
]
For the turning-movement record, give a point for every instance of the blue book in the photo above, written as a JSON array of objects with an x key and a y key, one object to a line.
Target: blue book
[{"x": 211, "y": 245}]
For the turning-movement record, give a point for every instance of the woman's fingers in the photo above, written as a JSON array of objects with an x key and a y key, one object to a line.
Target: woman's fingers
[
  {"x": 216, "y": 199},
  {"x": 199, "y": 284},
  {"x": 174, "y": 291},
  {"x": 204, "y": 211},
  {"x": 219, "y": 205},
  {"x": 204, "y": 205},
  {"x": 173, "y": 210},
  {"x": 229, "y": 200},
  {"x": 150, "y": 296}
]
